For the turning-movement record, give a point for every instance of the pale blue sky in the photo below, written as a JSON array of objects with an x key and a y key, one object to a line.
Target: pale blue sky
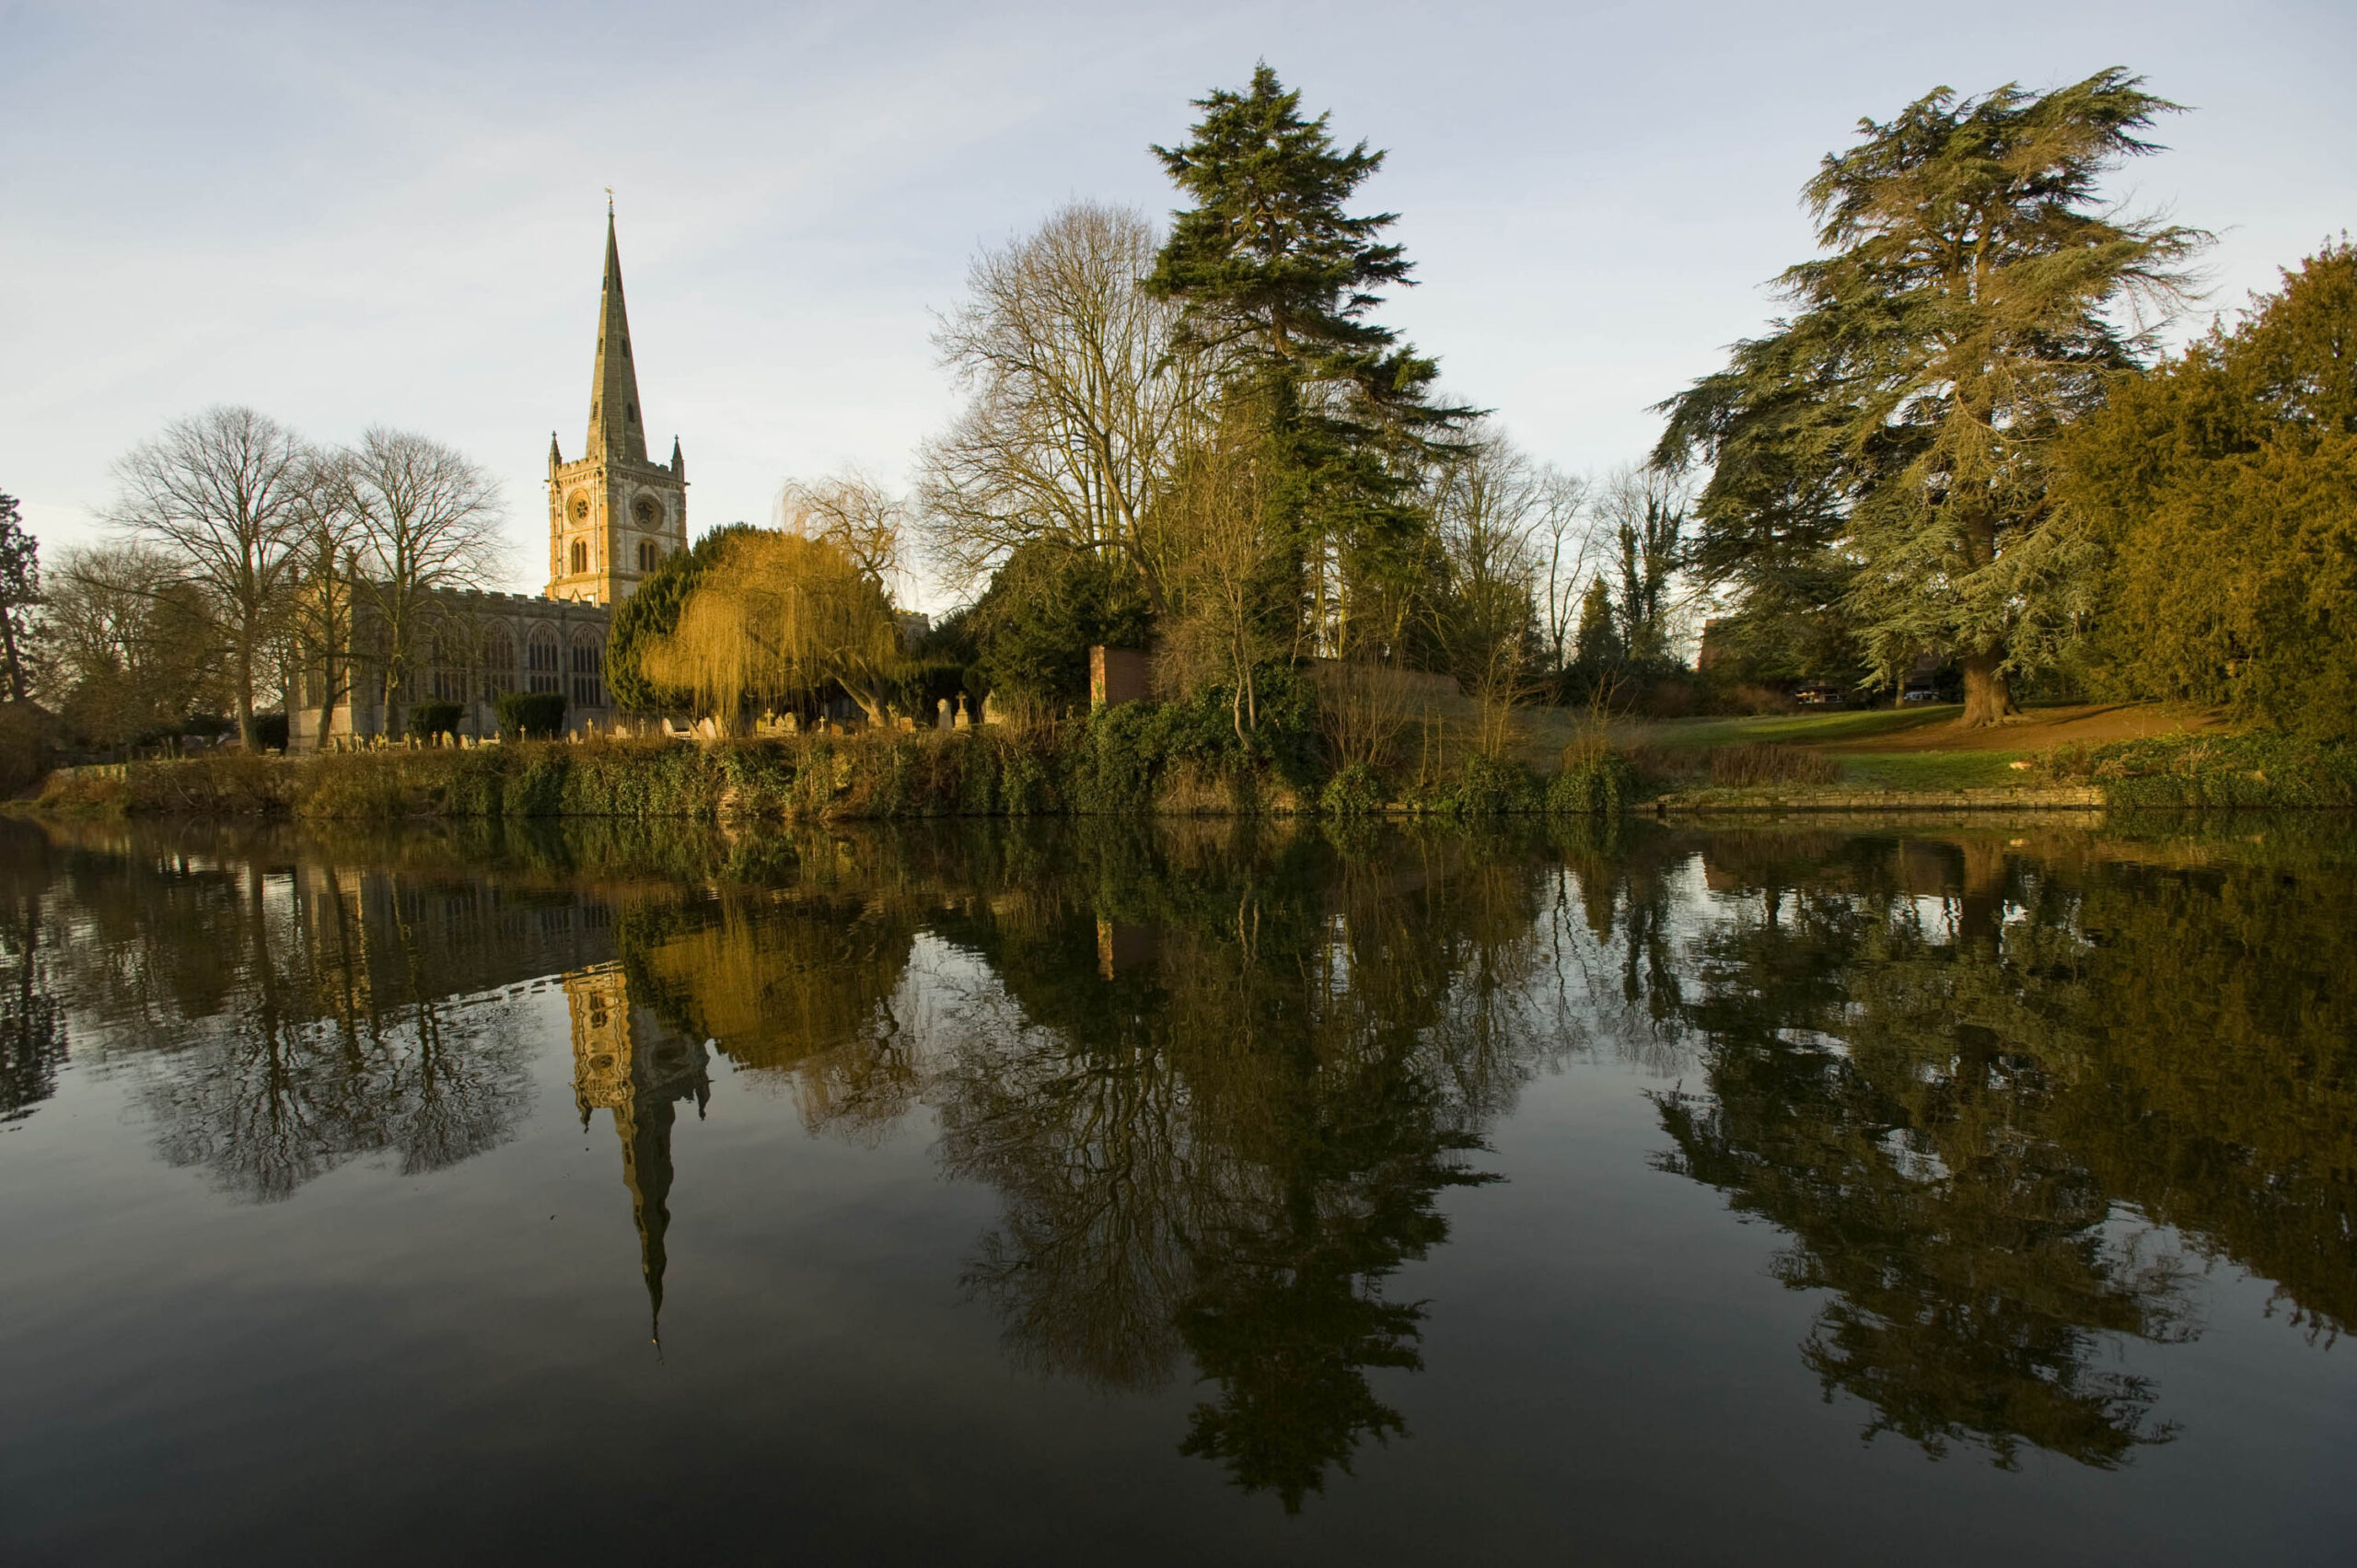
[{"x": 392, "y": 213}]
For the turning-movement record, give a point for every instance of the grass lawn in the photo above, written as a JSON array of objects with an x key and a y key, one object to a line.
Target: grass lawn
[
  {"x": 1917, "y": 747},
  {"x": 1931, "y": 770},
  {"x": 1792, "y": 729}
]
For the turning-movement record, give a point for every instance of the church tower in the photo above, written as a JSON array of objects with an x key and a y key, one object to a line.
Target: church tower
[{"x": 613, "y": 515}]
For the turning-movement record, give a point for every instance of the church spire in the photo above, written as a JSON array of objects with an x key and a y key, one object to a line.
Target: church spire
[{"x": 617, "y": 434}]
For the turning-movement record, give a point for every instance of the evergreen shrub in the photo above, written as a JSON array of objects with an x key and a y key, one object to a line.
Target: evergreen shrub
[
  {"x": 1601, "y": 784},
  {"x": 427, "y": 720},
  {"x": 2261, "y": 770},
  {"x": 530, "y": 715},
  {"x": 1355, "y": 791},
  {"x": 1495, "y": 786}
]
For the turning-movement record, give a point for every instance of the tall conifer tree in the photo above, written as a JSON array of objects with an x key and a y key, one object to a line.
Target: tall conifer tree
[
  {"x": 1598, "y": 642},
  {"x": 19, "y": 593},
  {"x": 1904, "y": 417},
  {"x": 1277, "y": 280}
]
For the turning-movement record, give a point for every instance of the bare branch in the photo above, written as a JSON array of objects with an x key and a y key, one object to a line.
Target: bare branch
[
  {"x": 1078, "y": 406},
  {"x": 221, "y": 494}
]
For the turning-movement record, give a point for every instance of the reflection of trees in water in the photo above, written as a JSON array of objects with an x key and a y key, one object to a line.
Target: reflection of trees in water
[
  {"x": 794, "y": 984},
  {"x": 1220, "y": 1074},
  {"x": 1973, "y": 1086},
  {"x": 2210, "y": 1034},
  {"x": 1221, "y": 1084},
  {"x": 284, "y": 1016},
  {"x": 1612, "y": 964},
  {"x": 335, "y": 1046},
  {"x": 32, "y": 1023}
]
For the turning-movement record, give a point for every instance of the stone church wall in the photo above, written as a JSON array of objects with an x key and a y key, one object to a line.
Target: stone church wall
[{"x": 486, "y": 644}]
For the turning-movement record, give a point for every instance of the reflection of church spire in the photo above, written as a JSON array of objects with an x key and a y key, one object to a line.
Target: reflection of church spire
[
  {"x": 626, "y": 1062},
  {"x": 646, "y": 1171}
]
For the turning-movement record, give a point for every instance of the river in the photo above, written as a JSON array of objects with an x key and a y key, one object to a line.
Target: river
[{"x": 1114, "y": 1191}]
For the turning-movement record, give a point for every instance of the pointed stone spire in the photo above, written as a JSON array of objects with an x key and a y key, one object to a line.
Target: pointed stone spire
[
  {"x": 557, "y": 458},
  {"x": 617, "y": 434},
  {"x": 678, "y": 463}
]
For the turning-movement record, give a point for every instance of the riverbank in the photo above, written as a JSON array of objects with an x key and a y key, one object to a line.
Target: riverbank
[
  {"x": 1049, "y": 771},
  {"x": 1839, "y": 763},
  {"x": 1098, "y": 768},
  {"x": 1708, "y": 802}
]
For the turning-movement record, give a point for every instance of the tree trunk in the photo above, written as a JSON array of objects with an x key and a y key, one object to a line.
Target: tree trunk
[
  {"x": 395, "y": 682},
  {"x": 328, "y": 695},
  {"x": 8, "y": 650},
  {"x": 1987, "y": 698},
  {"x": 248, "y": 735},
  {"x": 1980, "y": 911}
]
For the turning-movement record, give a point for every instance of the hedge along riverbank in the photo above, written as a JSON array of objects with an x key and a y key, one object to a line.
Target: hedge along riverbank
[
  {"x": 1138, "y": 758},
  {"x": 2261, "y": 770},
  {"x": 1131, "y": 759}
]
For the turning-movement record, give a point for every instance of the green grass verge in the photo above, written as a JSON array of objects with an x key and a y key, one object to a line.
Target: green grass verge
[
  {"x": 1792, "y": 729},
  {"x": 1935, "y": 770}
]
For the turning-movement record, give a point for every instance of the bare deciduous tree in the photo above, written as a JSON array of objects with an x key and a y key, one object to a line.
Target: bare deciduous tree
[
  {"x": 1645, "y": 509},
  {"x": 1567, "y": 553},
  {"x": 1078, "y": 408},
  {"x": 131, "y": 648},
  {"x": 426, "y": 519},
  {"x": 853, "y": 511},
  {"x": 1509, "y": 532},
  {"x": 321, "y": 627},
  {"x": 1226, "y": 566},
  {"x": 221, "y": 496},
  {"x": 1364, "y": 707}
]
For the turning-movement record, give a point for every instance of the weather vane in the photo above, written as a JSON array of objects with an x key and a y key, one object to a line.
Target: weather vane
[{"x": 610, "y": 201}]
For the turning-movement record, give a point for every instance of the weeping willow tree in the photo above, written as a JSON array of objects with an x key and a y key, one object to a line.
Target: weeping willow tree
[{"x": 779, "y": 621}]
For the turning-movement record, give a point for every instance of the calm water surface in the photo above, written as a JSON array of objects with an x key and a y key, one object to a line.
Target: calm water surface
[{"x": 1107, "y": 1193}]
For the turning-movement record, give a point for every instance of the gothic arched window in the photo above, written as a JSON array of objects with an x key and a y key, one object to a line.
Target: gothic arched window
[
  {"x": 498, "y": 662},
  {"x": 580, "y": 556},
  {"x": 650, "y": 556},
  {"x": 588, "y": 671},
  {"x": 541, "y": 662}
]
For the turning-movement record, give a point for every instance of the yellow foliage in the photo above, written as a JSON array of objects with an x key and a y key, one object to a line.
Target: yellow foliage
[{"x": 777, "y": 620}]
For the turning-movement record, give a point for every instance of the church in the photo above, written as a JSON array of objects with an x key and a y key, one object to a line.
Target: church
[{"x": 614, "y": 516}]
